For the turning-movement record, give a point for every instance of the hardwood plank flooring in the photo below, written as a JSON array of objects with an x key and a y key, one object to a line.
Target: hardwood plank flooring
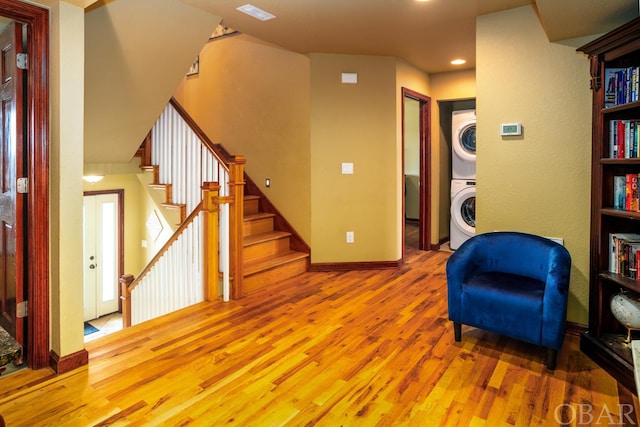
[{"x": 362, "y": 348}]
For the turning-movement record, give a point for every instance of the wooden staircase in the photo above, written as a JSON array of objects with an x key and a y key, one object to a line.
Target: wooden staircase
[
  {"x": 268, "y": 257},
  {"x": 166, "y": 199}
]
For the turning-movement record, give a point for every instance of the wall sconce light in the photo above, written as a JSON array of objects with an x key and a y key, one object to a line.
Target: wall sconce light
[{"x": 92, "y": 179}]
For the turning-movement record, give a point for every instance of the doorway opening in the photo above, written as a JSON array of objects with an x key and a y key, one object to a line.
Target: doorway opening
[
  {"x": 103, "y": 231},
  {"x": 416, "y": 151}
]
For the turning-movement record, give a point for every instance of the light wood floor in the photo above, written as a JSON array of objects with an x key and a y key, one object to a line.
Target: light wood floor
[{"x": 343, "y": 348}]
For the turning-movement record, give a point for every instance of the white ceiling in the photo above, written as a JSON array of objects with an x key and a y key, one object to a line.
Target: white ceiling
[{"x": 426, "y": 34}]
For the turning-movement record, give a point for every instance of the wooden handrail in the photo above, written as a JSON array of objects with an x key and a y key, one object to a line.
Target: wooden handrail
[
  {"x": 235, "y": 167},
  {"x": 210, "y": 206},
  {"x": 222, "y": 154},
  {"x": 166, "y": 247}
]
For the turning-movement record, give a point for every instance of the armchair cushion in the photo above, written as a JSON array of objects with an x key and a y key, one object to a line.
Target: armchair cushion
[{"x": 515, "y": 284}]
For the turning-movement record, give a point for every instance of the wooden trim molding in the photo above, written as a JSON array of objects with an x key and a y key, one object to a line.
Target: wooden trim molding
[
  {"x": 37, "y": 21},
  {"x": 69, "y": 362},
  {"x": 576, "y": 328},
  {"x": 343, "y": 266},
  {"x": 424, "y": 233}
]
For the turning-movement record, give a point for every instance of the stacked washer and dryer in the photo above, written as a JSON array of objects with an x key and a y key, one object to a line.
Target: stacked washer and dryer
[{"x": 463, "y": 177}]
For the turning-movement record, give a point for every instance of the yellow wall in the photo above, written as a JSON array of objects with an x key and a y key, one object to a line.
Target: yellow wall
[
  {"x": 136, "y": 52},
  {"x": 67, "y": 94},
  {"x": 446, "y": 88},
  {"x": 540, "y": 182},
  {"x": 253, "y": 98},
  {"x": 355, "y": 123}
]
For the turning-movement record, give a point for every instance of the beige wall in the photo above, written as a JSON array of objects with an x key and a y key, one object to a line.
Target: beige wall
[
  {"x": 136, "y": 52},
  {"x": 67, "y": 94},
  {"x": 355, "y": 123},
  {"x": 446, "y": 91},
  {"x": 537, "y": 183},
  {"x": 253, "y": 98},
  {"x": 293, "y": 120}
]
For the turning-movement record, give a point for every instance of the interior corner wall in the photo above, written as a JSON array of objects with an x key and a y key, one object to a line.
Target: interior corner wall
[
  {"x": 253, "y": 98},
  {"x": 65, "y": 216},
  {"x": 539, "y": 182},
  {"x": 446, "y": 89},
  {"x": 354, "y": 123}
]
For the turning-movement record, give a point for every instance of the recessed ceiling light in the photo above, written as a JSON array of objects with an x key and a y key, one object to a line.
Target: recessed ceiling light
[
  {"x": 458, "y": 61},
  {"x": 256, "y": 12}
]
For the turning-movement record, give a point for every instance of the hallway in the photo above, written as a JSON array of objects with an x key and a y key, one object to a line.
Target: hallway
[{"x": 368, "y": 347}]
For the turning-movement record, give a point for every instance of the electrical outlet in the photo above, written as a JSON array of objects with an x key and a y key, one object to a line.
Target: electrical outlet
[{"x": 350, "y": 237}]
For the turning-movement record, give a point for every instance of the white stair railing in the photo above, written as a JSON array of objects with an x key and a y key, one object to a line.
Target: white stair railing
[
  {"x": 186, "y": 160},
  {"x": 176, "y": 278}
]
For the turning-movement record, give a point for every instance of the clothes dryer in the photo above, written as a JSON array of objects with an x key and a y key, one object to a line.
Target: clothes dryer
[
  {"x": 463, "y": 212},
  {"x": 463, "y": 144}
]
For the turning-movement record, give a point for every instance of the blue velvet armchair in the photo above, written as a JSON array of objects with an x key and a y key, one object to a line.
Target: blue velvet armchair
[{"x": 514, "y": 284}]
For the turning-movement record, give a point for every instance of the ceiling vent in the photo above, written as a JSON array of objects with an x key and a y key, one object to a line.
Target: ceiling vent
[{"x": 256, "y": 12}]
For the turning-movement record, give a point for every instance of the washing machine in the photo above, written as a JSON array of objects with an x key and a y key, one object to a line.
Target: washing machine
[
  {"x": 463, "y": 144},
  {"x": 463, "y": 211}
]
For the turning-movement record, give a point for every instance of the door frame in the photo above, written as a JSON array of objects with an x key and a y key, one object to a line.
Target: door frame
[
  {"x": 37, "y": 135},
  {"x": 120, "y": 194},
  {"x": 424, "y": 231}
]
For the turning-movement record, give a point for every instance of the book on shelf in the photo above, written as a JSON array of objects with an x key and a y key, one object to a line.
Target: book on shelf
[
  {"x": 619, "y": 248},
  {"x": 619, "y": 192},
  {"x": 631, "y": 192},
  {"x": 621, "y": 86},
  {"x": 624, "y": 139}
]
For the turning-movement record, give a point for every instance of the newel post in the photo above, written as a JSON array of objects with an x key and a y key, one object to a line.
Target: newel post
[
  {"x": 125, "y": 297},
  {"x": 211, "y": 210},
  {"x": 236, "y": 224}
]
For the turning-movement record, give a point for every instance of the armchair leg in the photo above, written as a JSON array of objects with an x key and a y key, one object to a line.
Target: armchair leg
[
  {"x": 457, "y": 330},
  {"x": 552, "y": 355}
]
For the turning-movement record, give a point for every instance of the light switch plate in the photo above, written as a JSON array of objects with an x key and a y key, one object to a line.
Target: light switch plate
[{"x": 347, "y": 168}]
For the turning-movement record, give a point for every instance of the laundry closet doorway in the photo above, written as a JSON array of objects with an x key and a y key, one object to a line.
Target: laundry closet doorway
[
  {"x": 102, "y": 252},
  {"x": 416, "y": 153}
]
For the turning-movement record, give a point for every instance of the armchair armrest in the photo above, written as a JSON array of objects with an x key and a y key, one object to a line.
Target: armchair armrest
[{"x": 554, "y": 309}]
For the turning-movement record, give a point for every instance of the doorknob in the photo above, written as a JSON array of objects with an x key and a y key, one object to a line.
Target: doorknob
[{"x": 92, "y": 266}]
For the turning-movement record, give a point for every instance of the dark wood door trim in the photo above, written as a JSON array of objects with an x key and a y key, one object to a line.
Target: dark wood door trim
[
  {"x": 425, "y": 167},
  {"x": 37, "y": 134}
]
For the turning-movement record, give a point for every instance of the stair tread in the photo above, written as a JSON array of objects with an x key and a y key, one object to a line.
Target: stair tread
[
  {"x": 264, "y": 237},
  {"x": 259, "y": 215},
  {"x": 259, "y": 265},
  {"x": 174, "y": 205},
  {"x": 251, "y": 197}
]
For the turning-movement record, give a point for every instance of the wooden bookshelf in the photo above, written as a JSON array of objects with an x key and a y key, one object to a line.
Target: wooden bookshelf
[{"x": 604, "y": 340}]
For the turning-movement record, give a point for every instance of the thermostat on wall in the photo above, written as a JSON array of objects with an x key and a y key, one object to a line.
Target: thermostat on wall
[{"x": 510, "y": 129}]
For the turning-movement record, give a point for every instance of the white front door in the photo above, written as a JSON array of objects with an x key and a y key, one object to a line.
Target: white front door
[{"x": 100, "y": 255}]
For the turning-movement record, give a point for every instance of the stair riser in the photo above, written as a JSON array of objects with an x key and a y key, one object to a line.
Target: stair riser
[
  {"x": 265, "y": 278},
  {"x": 257, "y": 226},
  {"x": 251, "y": 206},
  {"x": 266, "y": 249}
]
